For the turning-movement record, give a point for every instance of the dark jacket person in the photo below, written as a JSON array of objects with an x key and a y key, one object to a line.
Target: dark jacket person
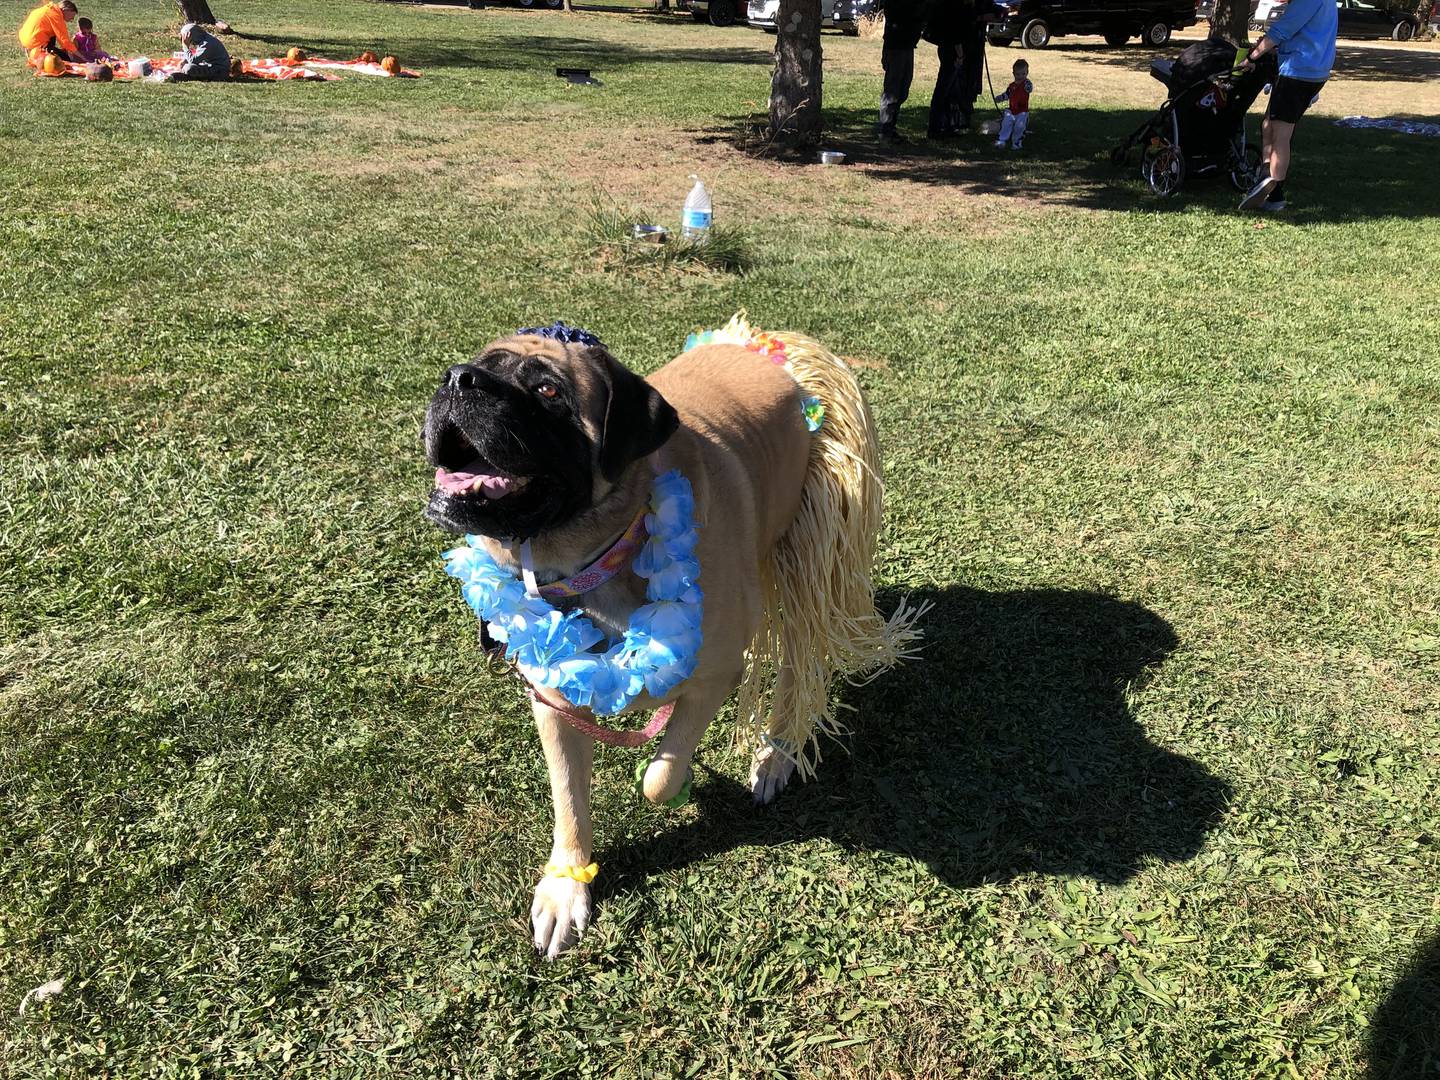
[
  {"x": 904, "y": 22},
  {"x": 944, "y": 30},
  {"x": 206, "y": 60}
]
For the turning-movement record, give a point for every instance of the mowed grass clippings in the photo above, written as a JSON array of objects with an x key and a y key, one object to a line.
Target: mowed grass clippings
[{"x": 1158, "y": 802}]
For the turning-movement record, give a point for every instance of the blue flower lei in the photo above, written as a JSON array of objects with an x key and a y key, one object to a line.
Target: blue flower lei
[{"x": 564, "y": 650}]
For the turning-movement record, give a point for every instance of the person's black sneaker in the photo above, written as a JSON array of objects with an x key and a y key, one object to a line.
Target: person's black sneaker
[
  {"x": 891, "y": 137},
  {"x": 1272, "y": 205},
  {"x": 1258, "y": 194}
]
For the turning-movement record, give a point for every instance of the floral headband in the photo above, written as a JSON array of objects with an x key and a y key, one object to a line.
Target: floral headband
[{"x": 558, "y": 331}]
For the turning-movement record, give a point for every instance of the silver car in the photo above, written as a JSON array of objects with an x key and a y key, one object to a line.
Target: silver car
[{"x": 842, "y": 15}]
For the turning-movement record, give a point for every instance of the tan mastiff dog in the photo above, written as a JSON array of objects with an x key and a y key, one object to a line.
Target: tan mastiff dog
[{"x": 547, "y": 449}]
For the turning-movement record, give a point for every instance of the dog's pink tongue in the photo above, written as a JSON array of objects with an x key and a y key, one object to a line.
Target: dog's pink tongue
[
  {"x": 453, "y": 483},
  {"x": 461, "y": 483}
]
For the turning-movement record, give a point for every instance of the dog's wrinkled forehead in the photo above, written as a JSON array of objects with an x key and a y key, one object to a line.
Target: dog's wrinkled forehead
[{"x": 575, "y": 364}]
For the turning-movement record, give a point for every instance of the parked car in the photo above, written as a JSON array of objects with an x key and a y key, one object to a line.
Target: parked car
[
  {"x": 842, "y": 15},
  {"x": 1034, "y": 22},
  {"x": 1356, "y": 18},
  {"x": 718, "y": 12}
]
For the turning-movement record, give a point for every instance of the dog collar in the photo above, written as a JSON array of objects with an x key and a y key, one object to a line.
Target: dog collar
[{"x": 620, "y": 555}]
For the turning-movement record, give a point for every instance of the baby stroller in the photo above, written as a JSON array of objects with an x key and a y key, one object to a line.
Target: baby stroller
[{"x": 1200, "y": 129}]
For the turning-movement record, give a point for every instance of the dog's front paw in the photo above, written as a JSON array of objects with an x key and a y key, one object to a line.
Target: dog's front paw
[
  {"x": 770, "y": 771},
  {"x": 560, "y": 914}
]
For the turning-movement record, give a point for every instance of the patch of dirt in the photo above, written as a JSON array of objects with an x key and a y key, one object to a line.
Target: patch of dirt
[{"x": 961, "y": 186}]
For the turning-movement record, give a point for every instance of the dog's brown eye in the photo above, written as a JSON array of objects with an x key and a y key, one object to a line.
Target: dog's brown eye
[{"x": 546, "y": 390}]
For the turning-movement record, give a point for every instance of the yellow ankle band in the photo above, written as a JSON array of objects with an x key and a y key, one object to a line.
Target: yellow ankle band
[{"x": 582, "y": 874}]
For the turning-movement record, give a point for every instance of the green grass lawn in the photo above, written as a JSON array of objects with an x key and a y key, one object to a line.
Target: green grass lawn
[{"x": 1160, "y": 801}]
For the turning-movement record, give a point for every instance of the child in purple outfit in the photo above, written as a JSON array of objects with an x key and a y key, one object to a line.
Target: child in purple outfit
[{"x": 88, "y": 45}]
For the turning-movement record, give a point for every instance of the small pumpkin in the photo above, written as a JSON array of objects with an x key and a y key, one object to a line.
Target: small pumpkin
[
  {"x": 391, "y": 65},
  {"x": 237, "y": 68},
  {"x": 296, "y": 56},
  {"x": 53, "y": 65},
  {"x": 368, "y": 57}
]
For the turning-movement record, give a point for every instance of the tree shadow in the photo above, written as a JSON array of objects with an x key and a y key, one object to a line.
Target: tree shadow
[
  {"x": 1339, "y": 174},
  {"x": 1008, "y": 749},
  {"x": 1397, "y": 63},
  {"x": 1404, "y": 1039},
  {"x": 519, "y": 52}
]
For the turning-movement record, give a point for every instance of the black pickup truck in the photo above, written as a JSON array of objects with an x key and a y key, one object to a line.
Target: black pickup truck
[{"x": 1034, "y": 22}]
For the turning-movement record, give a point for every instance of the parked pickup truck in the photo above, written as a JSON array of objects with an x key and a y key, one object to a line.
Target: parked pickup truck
[{"x": 1034, "y": 22}]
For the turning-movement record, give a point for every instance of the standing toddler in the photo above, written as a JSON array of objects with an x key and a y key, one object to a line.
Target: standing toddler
[{"x": 1017, "y": 117}]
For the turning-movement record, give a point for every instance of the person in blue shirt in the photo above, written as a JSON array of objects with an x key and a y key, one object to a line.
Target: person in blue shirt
[{"x": 1304, "y": 38}]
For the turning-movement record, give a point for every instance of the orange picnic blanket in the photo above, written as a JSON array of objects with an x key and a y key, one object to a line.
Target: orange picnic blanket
[
  {"x": 273, "y": 69},
  {"x": 361, "y": 67}
]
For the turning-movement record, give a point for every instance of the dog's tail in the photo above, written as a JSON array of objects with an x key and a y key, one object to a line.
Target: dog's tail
[{"x": 820, "y": 619}]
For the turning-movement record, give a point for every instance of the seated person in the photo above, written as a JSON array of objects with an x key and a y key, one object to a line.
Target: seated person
[
  {"x": 44, "y": 31},
  {"x": 88, "y": 45},
  {"x": 206, "y": 60}
]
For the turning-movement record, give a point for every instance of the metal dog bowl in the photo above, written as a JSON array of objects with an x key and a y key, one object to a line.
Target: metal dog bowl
[
  {"x": 832, "y": 157},
  {"x": 649, "y": 234}
]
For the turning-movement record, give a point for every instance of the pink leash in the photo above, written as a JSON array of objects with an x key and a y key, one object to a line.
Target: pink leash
[{"x": 584, "y": 722}]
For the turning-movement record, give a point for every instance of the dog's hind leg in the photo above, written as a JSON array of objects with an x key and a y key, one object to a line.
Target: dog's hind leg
[
  {"x": 694, "y": 709},
  {"x": 770, "y": 766}
]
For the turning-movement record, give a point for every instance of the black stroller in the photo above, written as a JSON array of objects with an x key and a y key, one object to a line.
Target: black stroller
[{"x": 1200, "y": 129}]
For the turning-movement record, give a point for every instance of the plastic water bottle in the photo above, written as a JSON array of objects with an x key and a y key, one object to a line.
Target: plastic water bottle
[{"x": 696, "y": 217}]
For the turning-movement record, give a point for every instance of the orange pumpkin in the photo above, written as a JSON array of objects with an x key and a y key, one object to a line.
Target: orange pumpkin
[
  {"x": 295, "y": 56},
  {"x": 391, "y": 65},
  {"x": 237, "y": 68},
  {"x": 368, "y": 57},
  {"x": 53, "y": 65}
]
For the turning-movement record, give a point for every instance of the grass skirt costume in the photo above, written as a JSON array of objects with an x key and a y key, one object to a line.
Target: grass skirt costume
[{"x": 820, "y": 620}]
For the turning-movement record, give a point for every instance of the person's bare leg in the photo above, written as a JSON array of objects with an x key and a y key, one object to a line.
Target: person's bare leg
[{"x": 1277, "y": 138}]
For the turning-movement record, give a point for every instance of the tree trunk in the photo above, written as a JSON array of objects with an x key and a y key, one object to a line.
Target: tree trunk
[
  {"x": 1422, "y": 13},
  {"x": 1232, "y": 20},
  {"x": 197, "y": 11},
  {"x": 795, "y": 86}
]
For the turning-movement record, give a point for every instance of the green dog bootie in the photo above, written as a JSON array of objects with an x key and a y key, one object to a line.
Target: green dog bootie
[{"x": 679, "y": 799}]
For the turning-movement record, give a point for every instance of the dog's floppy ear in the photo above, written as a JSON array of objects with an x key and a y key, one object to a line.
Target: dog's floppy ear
[{"x": 638, "y": 420}]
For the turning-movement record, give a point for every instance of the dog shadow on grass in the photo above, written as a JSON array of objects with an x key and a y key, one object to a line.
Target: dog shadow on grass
[
  {"x": 1007, "y": 748},
  {"x": 1404, "y": 1036}
]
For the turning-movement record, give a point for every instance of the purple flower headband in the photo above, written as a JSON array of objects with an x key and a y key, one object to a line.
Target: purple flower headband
[{"x": 558, "y": 331}]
